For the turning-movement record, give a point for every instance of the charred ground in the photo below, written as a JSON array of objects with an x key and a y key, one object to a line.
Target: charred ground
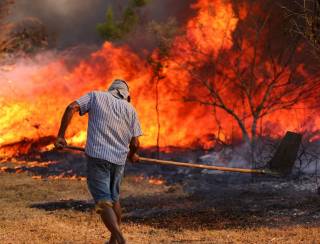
[{"x": 188, "y": 207}]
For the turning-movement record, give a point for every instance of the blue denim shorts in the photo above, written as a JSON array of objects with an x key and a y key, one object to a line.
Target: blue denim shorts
[{"x": 103, "y": 179}]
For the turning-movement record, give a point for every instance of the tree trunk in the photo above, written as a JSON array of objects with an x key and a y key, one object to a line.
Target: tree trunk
[
  {"x": 253, "y": 141},
  {"x": 158, "y": 117}
]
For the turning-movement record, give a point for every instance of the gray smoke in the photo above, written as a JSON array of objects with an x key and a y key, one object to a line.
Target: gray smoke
[{"x": 73, "y": 22}]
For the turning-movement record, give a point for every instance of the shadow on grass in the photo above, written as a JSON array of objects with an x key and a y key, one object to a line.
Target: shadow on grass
[
  {"x": 179, "y": 213},
  {"x": 78, "y": 205}
]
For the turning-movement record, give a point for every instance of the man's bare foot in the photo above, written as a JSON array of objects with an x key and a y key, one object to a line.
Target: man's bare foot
[{"x": 112, "y": 240}]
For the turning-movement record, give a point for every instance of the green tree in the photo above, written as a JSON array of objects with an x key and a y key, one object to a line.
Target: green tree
[{"x": 116, "y": 29}]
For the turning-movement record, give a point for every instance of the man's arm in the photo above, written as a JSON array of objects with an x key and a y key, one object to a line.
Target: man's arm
[
  {"x": 67, "y": 116},
  {"x": 134, "y": 146}
]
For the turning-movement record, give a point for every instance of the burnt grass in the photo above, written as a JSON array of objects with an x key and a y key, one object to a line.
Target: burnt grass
[
  {"x": 222, "y": 205},
  {"x": 190, "y": 205},
  {"x": 190, "y": 199}
]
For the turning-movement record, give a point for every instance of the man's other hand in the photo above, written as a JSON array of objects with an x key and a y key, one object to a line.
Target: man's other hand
[
  {"x": 134, "y": 158},
  {"x": 60, "y": 143}
]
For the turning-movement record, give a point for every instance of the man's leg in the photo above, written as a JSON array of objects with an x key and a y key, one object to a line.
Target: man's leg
[
  {"x": 118, "y": 211},
  {"x": 115, "y": 180},
  {"x": 110, "y": 220},
  {"x": 116, "y": 176},
  {"x": 112, "y": 240},
  {"x": 98, "y": 179}
]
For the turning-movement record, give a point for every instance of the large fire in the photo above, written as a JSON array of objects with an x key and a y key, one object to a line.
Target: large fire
[{"x": 34, "y": 93}]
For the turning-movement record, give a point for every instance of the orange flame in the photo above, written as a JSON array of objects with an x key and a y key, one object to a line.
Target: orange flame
[
  {"x": 155, "y": 181},
  {"x": 35, "y": 93}
]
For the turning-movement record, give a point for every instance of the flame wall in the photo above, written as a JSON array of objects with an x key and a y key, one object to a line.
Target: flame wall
[{"x": 35, "y": 92}]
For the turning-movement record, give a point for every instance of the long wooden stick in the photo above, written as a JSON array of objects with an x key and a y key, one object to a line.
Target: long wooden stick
[
  {"x": 191, "y": 165},
  {"x": 202, "y": 166}
]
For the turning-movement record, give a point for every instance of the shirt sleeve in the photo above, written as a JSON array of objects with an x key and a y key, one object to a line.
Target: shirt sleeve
[
  {"x": 84, "y": 103},
  {"x": 136, "y": 127}
]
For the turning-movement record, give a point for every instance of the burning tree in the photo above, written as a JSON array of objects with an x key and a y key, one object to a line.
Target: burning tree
[
  {"x": 248, "y": 75},
  {"x": 238, "y": 63},
  {"x": 164, "y": 34}
]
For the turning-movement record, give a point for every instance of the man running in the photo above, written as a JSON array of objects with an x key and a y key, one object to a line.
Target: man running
[{"x": 112, "y": 137}]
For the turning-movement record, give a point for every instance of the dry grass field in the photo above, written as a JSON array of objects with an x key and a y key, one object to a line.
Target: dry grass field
[{"x": 58, "y": 211}]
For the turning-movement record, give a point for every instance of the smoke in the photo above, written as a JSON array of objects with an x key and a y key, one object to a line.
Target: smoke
[
  {"x": 68, "y": 21},
  {"x": 73, "y": 22}
]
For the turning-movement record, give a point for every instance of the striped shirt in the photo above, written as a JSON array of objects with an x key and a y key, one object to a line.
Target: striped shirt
[{"x": 112, "y": 124}]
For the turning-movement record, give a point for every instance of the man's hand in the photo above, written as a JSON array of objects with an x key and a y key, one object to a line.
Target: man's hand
[
  {"x": 60, "y": 143},
  {"x": 66, "y": 118},
  {"x": 134, "y": 158},
  {"x": 134, "y": 145}
]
